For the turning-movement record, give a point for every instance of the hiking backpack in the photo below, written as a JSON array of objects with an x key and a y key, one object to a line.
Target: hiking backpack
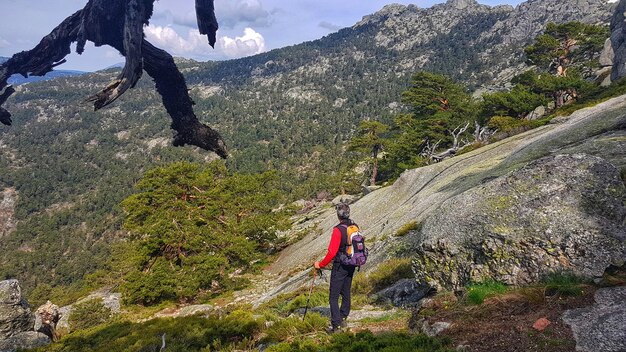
[{"x": 355, "y": 252}]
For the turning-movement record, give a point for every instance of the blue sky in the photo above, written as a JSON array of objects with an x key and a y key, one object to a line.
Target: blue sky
[{"x": 247, "y": 27}]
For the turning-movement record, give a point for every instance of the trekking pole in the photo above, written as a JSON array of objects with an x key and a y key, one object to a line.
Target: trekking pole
[{"x": 306, "y": 308}]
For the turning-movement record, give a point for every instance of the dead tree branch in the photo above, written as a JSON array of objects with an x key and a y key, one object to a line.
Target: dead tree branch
[
  {"x": 456, "y": 144},
  {"x": 119, "y": 23},
  {"x": 482, "y": 134}
]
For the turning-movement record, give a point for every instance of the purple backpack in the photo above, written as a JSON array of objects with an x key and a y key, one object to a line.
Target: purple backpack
[{"x": 355, "y": 253}]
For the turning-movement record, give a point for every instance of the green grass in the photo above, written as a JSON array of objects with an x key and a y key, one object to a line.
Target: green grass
[
  {"x": 404, "y": 230},
  {"x": 367, "y": 342},
  {"x": 563, "y": 284},
  {"x": 294, "y": 327},
  {"x": 385, "y": 275},
  {"x": 287, "y": 303},
  {"x": 400, "y": 314},
  {"x": 477, "y": 293},
  {"x": 194, "y": 333}
]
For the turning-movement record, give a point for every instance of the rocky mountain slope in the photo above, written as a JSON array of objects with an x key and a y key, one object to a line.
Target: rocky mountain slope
[
  {"x": 291, "y": 108},
  {"x": 547, "y": 200}
]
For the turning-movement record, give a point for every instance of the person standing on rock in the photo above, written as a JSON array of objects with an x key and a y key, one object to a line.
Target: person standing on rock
[{"x": 341, "y": 274}]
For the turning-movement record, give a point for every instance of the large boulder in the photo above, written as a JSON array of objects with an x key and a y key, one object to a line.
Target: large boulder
[
  {"x": 24, "y": 340},
  {"x": 558, "y": 213},
  {"x": 618, "y": 41},
  {"x": 16, "y": 320},
  {"x": 601, "y": 327},
  {"x": 15, "y": 315},
  {"x": 404, "y": 293}
]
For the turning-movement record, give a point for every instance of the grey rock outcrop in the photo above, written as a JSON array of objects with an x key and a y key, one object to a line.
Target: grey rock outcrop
[
  {"x": 404, "y": 293},
  {"x": 607, "y": 54},
  {"x": 16, "y": 320},
  {"x": 15, "y": 315},
  {"x": 618, "y": 41},
  {"x": 600, "y": 327},
  {"x": 559, "y": 213},
  {"x": 24, "y": 340}
]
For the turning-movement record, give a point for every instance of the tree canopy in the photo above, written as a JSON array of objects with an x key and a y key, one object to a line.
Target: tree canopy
[{"x": 192, "y": 226}]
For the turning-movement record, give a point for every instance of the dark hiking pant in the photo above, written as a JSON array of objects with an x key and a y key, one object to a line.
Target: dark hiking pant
[{"x": 340, "y": 284}]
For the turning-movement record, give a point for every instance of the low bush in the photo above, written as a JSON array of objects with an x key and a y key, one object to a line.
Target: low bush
[
  {"x": 476, "y": 293},
  {"x": 508, "y": 125},
  {"x": 88, "y": 314}
]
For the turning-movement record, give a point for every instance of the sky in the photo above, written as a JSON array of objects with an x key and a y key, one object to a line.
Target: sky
[{"x": 247, "y": 27}]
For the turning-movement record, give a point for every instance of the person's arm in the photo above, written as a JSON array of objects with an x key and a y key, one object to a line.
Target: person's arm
[{"x": 333, "y": 248}]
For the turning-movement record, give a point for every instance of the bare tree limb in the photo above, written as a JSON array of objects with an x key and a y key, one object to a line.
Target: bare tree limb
[
  {"x": 133, "y": 40},
  {"x": 207, "y": 23},
  {"x": 482, "y": 134},
  {"x": 429, "y": 151},
  {"x": 119, "y": 23}
]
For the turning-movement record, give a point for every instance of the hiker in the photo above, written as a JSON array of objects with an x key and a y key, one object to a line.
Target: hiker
[{"x": 341, "y": 274}]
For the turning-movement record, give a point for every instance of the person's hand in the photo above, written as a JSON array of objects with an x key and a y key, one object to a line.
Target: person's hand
[{"x": 317, "y": 265}]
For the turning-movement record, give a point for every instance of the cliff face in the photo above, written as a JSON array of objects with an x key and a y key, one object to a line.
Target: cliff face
[{"x": 546, "y": 200}]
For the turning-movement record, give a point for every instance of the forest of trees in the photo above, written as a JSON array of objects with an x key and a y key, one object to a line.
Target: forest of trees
[{"x": 442, "y": 112}]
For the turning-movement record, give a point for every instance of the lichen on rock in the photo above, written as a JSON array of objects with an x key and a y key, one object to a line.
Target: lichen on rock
[{"x": 559, "y": 213}]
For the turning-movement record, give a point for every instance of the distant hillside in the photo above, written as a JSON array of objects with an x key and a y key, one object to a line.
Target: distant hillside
[
  {"x": 18, "y": 79},
  {"x": 291, "y": 109}
]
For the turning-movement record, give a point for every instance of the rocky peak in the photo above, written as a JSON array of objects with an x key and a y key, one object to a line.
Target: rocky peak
[
  {"x": 386, "y": 12},
  {"x": 461, "y": 4}
]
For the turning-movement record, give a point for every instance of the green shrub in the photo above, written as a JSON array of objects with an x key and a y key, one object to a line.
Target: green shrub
[
  {"x": 383, "y": 276},
  {"x": 476, "y": 293},
  {"x": 508, "y": 125},
  {"x": 186, "y": 219},
  {"x": 365, "y": 341},
  {"x": 88, "y": 314},
  {"x": 411, "y": 226},
  {"x": 563, "y": 284},
  {"x": 471, "y": 147},
  {"x": 194, "y": 333}
]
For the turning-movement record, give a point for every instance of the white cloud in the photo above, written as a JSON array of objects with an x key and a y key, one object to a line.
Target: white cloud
[
  {"x": 250, "y": 12},
  {"x": 195, "y": 45},
  {"x": 4, "y": 43},
  {"x": 250, "y": 43},
  {"x": 167, "y": 38}
]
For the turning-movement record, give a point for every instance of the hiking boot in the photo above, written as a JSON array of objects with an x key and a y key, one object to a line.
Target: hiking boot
[
  {"x": 332, "y": 329},
  {"x": 344, "y": 323}
]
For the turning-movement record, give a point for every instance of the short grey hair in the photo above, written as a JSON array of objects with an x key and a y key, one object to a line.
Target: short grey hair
[{"x": 343, "y": 211}]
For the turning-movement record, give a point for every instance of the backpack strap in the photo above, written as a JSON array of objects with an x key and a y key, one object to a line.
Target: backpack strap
[{"x": 343, "y": 229}]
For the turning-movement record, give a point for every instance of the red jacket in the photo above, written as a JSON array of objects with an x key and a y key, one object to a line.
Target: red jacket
[{"x": 333, "y": 247}]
